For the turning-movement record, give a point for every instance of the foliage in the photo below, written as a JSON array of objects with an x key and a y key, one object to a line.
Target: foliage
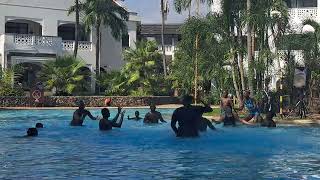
[
  {"x": 106, "y": 13},
  {"x": 141, "y": 75},
  {"x": 212, "y": 59},
  {"x": 65, "y": 75},
  {"x": 103, "y": 12},
  {"x": 7, "y": 86}
]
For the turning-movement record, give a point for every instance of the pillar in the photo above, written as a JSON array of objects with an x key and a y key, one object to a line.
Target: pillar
[{"x": 50, "y": 27}]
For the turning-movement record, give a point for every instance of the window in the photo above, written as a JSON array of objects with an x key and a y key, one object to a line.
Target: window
[
  {"x": 125, "y": 40},
  {"x": 301, "y": 3},
  {"x": 66, "y": 32},
  {"x": 16, "y": 28}
]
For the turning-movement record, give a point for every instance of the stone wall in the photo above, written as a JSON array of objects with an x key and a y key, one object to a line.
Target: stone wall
[{"x": 91, "y": 101}]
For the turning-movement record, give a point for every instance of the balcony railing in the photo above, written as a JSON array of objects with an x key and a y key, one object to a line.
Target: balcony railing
[
  {"x": 44, "y": 43},
  {"x": 303, "y": 13},
  {"x": 23, "y": 39},
  {"x": 82, "y": 46},
  {"x": 168, "y": 49}
]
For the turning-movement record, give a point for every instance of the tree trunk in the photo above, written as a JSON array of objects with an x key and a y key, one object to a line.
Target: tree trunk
[
  {"x": 196, "y": 59},
  {"x": 234, "y": 79},
  {"x": 196, "y": 71},
  {"x": 162, "y": 40},
  {"x": 240, "y": 55},
  {"x": 98, "y": 53},
  {"x": 249, "y": 47},
  {"x": 76, "y": 32}
]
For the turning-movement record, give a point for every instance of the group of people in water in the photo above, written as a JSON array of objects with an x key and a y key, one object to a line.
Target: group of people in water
[{"x": 186, "y": 121}]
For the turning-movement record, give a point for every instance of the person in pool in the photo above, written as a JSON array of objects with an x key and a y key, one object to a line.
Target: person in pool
[
  {"x": 270, "y": 113},
  {"x": 32, "y": 132},
  {"x": 80, "y": 114},
  {"x": 153, "y": 116},
  {"x": 250, "y": 104},
  {"x": 227, "y": 115},
  {"x": 136, "y": 116},
  {"x": 105, "y": 124},
  {"x": 188, "y": 118},
  {"x": 39, "y": 125}
]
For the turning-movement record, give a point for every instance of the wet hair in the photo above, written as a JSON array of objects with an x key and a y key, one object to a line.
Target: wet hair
[
  {"x": 32, "y": 132},
  {"x": 187, "y": 99},
  {"x": 137, "y": 112},
  {"x": 153, "y": 105},
  {"x": 39, "y": 125},
  {"x": 104, "y": 111},
  {"x": 81, "y": 103}
]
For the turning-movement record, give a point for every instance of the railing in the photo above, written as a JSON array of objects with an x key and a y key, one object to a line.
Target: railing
[
  {"x": 167, "y": 48},
  {"x": 82, "y": 46},
  {"x": 23, "y": 39},
  {"x": 303, "y": 13}
]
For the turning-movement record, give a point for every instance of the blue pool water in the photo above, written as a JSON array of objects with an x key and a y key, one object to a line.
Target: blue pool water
[{"x": 140, "y": 151}]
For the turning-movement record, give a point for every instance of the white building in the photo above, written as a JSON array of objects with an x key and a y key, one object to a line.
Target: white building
[
  {"x": 299, "y": 11},
  {"x": 35, "y": 31},
  {"x": 172, "y": 37}
]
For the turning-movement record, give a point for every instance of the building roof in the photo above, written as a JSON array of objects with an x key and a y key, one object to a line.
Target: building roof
[{"x": 155, "y": 29}]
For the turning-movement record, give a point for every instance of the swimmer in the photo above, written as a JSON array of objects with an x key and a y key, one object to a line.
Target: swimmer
[
  {"x": 105, "y": 124},
  {"x": 250, "y": 104},
  {"x": 39, "y": 125},
  {"x": 136, "y": 116},
  {"x": 270, "y": 113},
  {"x": 187, "y": 118},
  {"x": 153, "y": 116},
  {"x": 80, "y": 114},
  {"x": 32, "y": 132},
  {"x": 227, "y": 115}
]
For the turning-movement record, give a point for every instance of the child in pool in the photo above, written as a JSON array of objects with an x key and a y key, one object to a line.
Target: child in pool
[{"x": 136, "y": 116}]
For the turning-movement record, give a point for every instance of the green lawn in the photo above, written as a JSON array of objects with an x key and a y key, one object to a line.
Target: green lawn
[{"x": 216, "y": 112}]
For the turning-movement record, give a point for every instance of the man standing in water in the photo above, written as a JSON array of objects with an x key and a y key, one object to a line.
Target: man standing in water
[
  {"x": 80, "y": 114},
  {"x": 105, "y": 124},
  {"x": 153, "y": 116},
  {"x": 187, "y": 118}
]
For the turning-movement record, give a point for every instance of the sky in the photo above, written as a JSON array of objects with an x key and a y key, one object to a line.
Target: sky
[{"x": 149, "y": 11}]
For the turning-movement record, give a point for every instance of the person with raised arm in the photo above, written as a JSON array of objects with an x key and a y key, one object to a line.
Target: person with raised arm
[
  {"x": 106, "y": 124},
  {"x": 80, "y": 114}
]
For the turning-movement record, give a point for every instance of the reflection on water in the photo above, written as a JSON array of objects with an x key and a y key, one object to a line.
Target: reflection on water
[{"x": 140, "y": 151}]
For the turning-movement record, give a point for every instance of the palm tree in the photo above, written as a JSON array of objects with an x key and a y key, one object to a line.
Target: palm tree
[
  {"x": 164, "y": 10},
  {"x": 64, "y": 74},
  {"x": 182, "y": 5},
  {"x": 76, "y": 9},
  {"x": 106, "y": 13},
  {"x": 250, "y": 47},
  {"x": 7, "y": 82},
  {"x": 143, "y": 72}
]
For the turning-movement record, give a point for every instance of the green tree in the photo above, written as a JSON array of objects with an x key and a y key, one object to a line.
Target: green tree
[
  {"x": 212, "y": 54},
  {"x": 7, "y": 86},
  {"x": 65, "y": 75},
  {"x": 103, "y": 13},
  {"x": 141, "y": 75}
]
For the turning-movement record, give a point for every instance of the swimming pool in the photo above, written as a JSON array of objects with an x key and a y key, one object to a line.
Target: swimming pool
[{"x": 140, "y": 151}]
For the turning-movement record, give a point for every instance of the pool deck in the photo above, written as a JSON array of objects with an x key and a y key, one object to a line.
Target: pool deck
[
  {"x": 311, "y": 121},
  {"x": 166, "y": 106}
]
